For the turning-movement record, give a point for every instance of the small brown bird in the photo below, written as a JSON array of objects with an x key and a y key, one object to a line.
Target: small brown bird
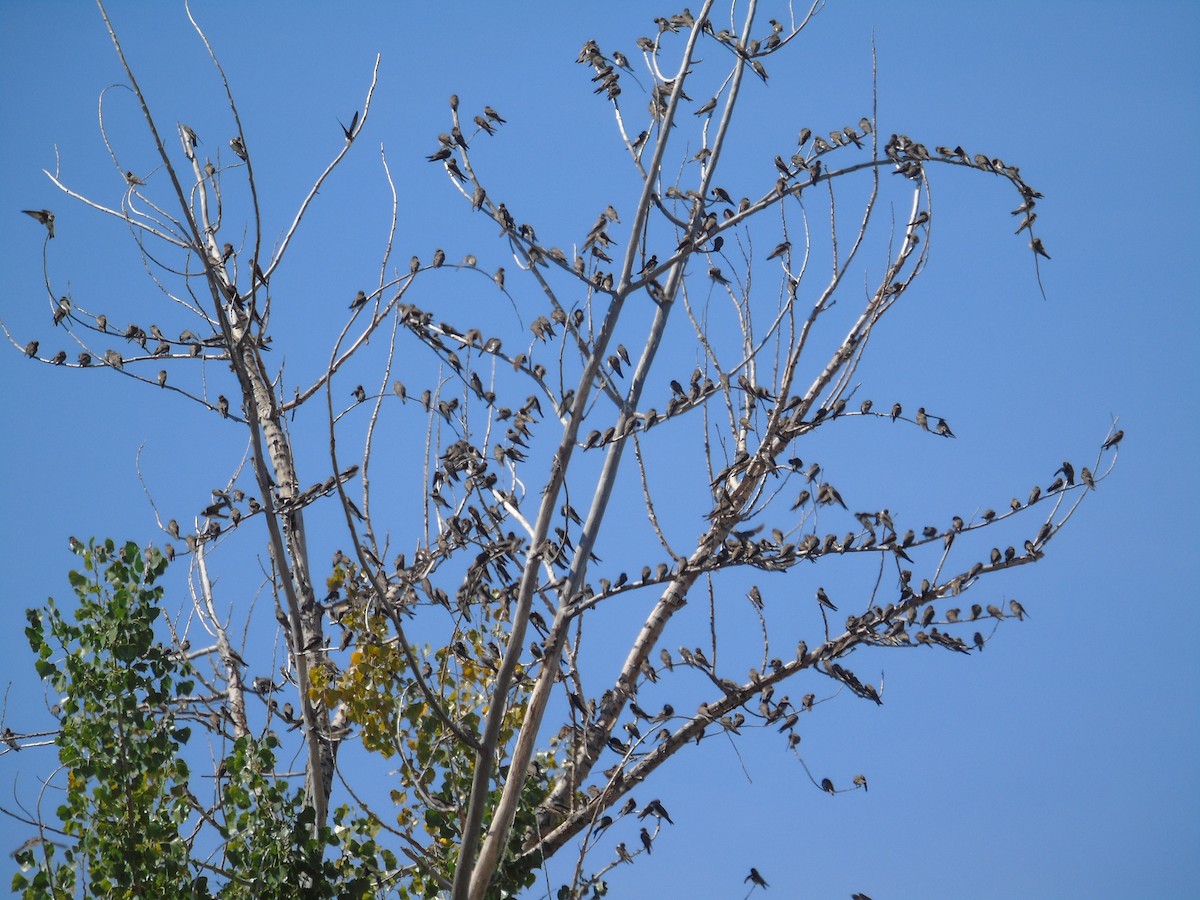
[{"x": 44, "y": 216}]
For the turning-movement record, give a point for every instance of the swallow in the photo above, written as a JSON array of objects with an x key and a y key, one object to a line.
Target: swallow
[
  {"x": 824, "y": 600},
  {"x": 349, "y": 132},
  {"x": 360, "y": 300},
  {"x": 1038, "y": 247},
  {"x": 1068, "y": 472},
  {"x": 780, "y": 249},
  {"x": 755, "y": 879},
  {"x": 1113, "y": 441},
  {"x": 44, "y": 216},
  {"x": 238, "y": 147}
]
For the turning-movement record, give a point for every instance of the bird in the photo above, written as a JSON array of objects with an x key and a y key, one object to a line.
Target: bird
[
  {"x": 755, "y": 879},
  {"x": 1113, "y": 441},
  {"x": 781, "y": 248},
  {"x": 238, "y": 146},
  {"x": 349, "y": 132},
  {"x": 824, "y": 600},
  {"x": 359, "y": 301},
  {"x": 44, "y": 216}
]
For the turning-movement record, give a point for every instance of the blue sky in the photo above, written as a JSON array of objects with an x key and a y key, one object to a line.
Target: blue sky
[{"x": 1052, "y": 764}]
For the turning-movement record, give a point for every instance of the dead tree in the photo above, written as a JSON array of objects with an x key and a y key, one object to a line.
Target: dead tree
[{"x": 527, "y": 423}]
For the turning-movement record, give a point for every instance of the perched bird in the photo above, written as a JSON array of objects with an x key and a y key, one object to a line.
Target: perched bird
[
  {"x": 44, "y": 216},
  {"x": 359, "y": 301},
  {"x": 781, "y": 248},
  {"x": 755, "y": 879},
  {"x": 1113, "y": 441},
  {"x": 1068, "y": 472},
  {"x": 239, "y": 148}
]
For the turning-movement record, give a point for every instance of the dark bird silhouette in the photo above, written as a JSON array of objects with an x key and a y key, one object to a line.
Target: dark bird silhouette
[
  {"x": 44, "y": 216},
  {"x": 755, "y": 879}
]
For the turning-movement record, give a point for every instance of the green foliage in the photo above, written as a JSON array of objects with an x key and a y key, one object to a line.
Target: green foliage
[{"x": 127, "y": 808}]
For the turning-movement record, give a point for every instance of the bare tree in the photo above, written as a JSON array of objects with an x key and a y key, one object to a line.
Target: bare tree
[{"x": 469, "y": 639}]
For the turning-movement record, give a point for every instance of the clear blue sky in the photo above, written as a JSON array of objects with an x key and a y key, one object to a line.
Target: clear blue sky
[{"x": 1055, "y": 763}]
